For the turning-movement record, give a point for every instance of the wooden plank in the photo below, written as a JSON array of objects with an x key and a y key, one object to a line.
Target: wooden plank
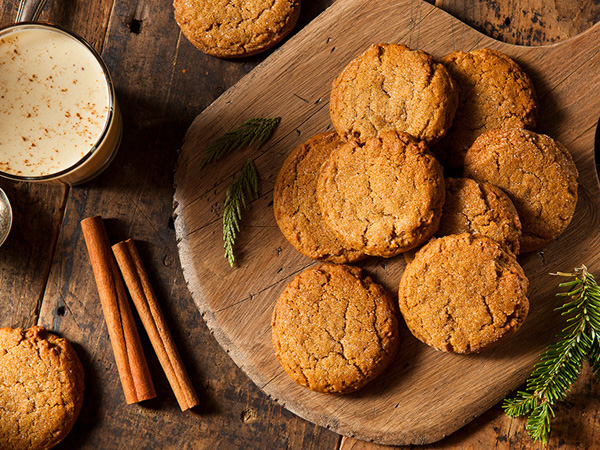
[
  {"x": 533, "y": 22},
  {"x": 25, "y": 256},
  {"x": 426, "y": 394},
  {"x": 88, "y": 19}
]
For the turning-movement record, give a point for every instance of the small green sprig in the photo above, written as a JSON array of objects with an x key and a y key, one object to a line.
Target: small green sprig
[
  {"x": 561, "y": 363},
  {"x": 256, "y": 132},
  {"x": 235, "y": 203},
  {"x": 252, "y": 131}
]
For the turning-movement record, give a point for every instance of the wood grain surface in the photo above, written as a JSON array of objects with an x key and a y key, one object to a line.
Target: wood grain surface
[
  {"x": 162, "y": 83},
  {"x": 425, "y": 395}
]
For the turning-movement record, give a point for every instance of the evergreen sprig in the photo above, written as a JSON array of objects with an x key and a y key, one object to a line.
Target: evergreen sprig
[
  {"x": 256, "y": 132},
  {"x": 235, "y": 203},
  {"x": 253, "y": 131},
  {"x": 561, "y": 363}
]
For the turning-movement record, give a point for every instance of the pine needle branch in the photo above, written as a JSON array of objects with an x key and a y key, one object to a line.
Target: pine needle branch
[
  {"x": 235, "y": 203},
  {"x": 253, "y": 131},
  {"x": 561, "y": 363}
]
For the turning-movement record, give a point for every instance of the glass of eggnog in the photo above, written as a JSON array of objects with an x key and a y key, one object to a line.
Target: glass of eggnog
[{"x": 59, "y": 118}]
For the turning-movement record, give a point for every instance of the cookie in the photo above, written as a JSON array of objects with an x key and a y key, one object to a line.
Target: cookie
[
  {"x": 334, "y": 329},
  {"x": 233, "y": 29},
  {"x": 390, "y": 87},
  {"x": 383, "y": 197},
  {"x": 494, "y": 92},
  {"x": 480, "y": 208},
  {"x": 41, "y": 388},
  {"x": 295, "y": 202},
  {"x": 463, "y": 294},
  {"x": 536, "y": 172}
]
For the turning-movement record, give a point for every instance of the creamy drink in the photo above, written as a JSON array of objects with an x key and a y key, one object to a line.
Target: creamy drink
[{"x": 58, "y": 116}]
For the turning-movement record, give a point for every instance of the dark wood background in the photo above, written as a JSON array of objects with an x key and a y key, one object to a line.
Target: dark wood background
[{"x": 162, "y": 83}]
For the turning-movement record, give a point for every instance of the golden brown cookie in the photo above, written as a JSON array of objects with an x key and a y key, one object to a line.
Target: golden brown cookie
[
  {"x": 390, "y": 87},
  {"x": 236, "y": 28},
  {"x": 480, "y": 208},
  {"x": 384, "y": 197},
  {"x": 536, "y": 172},
  {"x": 41, "y": 388},
  {"x": 463, "y": 294},
  {"x": 334, "y": 329},
  {"x": 295, "y": 202},
  {"x": 494, "y": 92}
]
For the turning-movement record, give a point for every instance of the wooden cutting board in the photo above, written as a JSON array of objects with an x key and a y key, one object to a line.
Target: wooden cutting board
[{"x": 425, "y": 395}]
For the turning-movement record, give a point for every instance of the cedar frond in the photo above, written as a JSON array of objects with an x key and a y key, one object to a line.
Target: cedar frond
[
  {"x": 253, "y": 131},
  {"x": 235, "y": 203}
]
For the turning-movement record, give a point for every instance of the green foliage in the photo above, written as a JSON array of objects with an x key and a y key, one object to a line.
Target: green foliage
[
  {"x": 256, "y": 132},
  {"x": 253, "y": 131},
  {"x": 235, "y": 203},
  {"x": 561, "y": 363}
]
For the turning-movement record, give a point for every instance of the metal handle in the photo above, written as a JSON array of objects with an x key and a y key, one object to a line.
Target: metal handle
[{"x": 29, "y": 10}]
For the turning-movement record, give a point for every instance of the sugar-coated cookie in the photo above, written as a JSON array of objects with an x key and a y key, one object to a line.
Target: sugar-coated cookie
[
  {"x": 236, "y": 28},
  {"x": 41, "y": 388},
  {"x": 383, "y": 197},
  {"x": 334, "y": 329},
  {"x": 494, "y": 92},
  {"x": 537, "y": 173},
  {"x": 295, "y": 202},
  {"x": 463, "y": 294},
  {"x": 390, "y": 87}
]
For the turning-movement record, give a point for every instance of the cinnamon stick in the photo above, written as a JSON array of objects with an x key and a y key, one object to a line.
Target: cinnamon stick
[
  {"x": 145, "y": 301},
  {"x": 131, "y": 363}
]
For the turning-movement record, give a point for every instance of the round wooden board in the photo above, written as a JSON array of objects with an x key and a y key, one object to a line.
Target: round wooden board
[{"x": 424, "y": 395}]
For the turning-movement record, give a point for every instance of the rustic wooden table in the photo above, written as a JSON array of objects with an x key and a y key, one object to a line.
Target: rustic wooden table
[{"x": 162, "y": 83}]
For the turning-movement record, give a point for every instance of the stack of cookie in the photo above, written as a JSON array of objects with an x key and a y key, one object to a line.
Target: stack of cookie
[
  {"x": 374, "y": 188},
  {"x": 373, "y": 185}
]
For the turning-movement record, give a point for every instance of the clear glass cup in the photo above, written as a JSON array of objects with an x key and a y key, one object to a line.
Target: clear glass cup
[
  {"x": 100, "y": 145},
  {"x": 6, "y": 217}
]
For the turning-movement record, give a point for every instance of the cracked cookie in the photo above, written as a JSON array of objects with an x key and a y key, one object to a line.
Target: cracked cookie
[
  {"x": 494, "y": 92},
  {"x": 295, "y": 202},
  {"x": 41, "y": 388},
  {"x": 463, "y": 294},
  {"x": 334, "y": 329},
  {"x": 536, "y": 172},
  {"x": 480, "y": 208},
  {"x": 236, "y": 28},
  {"x": 390, "y": 87},
  {"x": 383, "y": 197}
]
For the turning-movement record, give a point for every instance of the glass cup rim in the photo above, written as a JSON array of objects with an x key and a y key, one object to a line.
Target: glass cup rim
[
  {"x": 6, "y": 201},
  {"x": 111, "y": 100}
]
